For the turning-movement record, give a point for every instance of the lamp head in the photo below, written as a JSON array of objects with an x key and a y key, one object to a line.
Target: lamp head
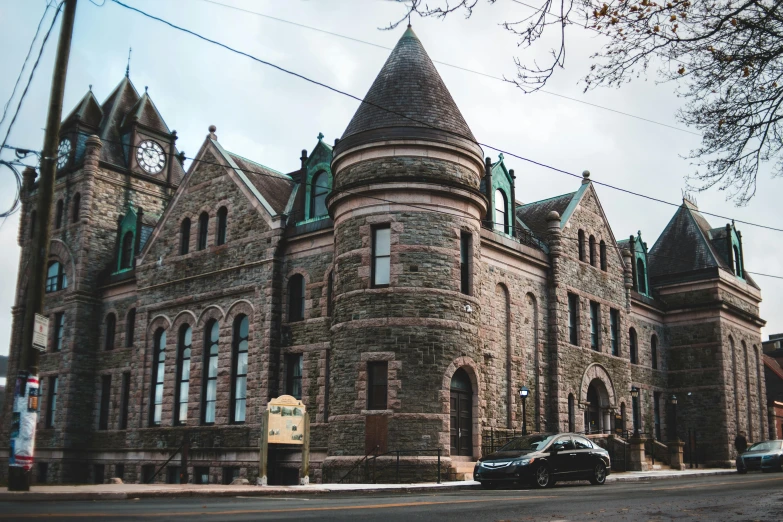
[
  {"x": 634, "y": 392},
  {"x": 524, "y": 391}
]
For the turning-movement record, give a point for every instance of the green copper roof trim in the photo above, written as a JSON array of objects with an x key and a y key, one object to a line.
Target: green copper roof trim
[
  {"x": 547, "y": 199},
  {"x": 257, "y": 164},
  {"x": 575, "y": 199},
  {"x": 252, "y": 188}
]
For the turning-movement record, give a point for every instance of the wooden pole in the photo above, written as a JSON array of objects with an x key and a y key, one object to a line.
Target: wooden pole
[
  {"x": 304, "y": 478},
  {"x": 19, "y": 476},
  {"x": 263, "y": 451}
]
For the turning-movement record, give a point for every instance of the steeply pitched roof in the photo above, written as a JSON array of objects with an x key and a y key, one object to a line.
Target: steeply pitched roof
[
  {"x": 409, "y": 92},
  {"x": 533, "y": 215},
  {"x": 273, "y": 187},
  {"x": 145, "y": 112},
  {"x": 87, "y": 111},
  {"x": 682, "y": 246},
  {"x": 116, "y": 106}
]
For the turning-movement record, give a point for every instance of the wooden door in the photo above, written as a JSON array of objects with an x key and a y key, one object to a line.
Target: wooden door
[{"x": 461, "y": 423}]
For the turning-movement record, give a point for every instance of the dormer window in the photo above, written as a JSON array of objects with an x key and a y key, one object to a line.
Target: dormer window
[
  {"x": 737, "y": 261},
  {"x": 318, "y": 192},
  {"x": 501, "y": 214},
  {"x": 126, "y": 255},
  {"x": 641, "y": 275}
]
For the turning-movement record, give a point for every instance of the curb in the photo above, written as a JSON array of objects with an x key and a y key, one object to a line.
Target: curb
[{"x": 643, "y": 478}]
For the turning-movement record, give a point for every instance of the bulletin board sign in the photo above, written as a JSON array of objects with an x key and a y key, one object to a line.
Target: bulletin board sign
[{"x": 285, "y": 421}]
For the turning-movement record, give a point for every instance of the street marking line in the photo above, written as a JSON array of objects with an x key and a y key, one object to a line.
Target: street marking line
[
  {"x": 712, "y": 484},
  {"x": 270, "y": 511}
]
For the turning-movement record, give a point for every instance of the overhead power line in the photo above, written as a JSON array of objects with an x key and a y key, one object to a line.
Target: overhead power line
[
  {"x": 453, "y": 66},
  {"x": 425, "y": 124}
]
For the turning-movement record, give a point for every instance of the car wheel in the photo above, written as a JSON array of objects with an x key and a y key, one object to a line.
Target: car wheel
[
  {"x": 489, "y": 485},
  {"x": 598, "y": 478},
  {"x": 542, "y": 478}
]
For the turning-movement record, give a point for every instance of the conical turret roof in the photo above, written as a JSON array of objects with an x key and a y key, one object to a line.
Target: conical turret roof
[{"x": 409, "y": 94}]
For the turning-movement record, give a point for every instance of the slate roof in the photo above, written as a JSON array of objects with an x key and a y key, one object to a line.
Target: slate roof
[
  {"x": 412, "y": 93},
  {"x": 533, "y": 215},
  {"x": 147, "y": 114},
  {"x": 274, "y": 186},
  {"x": 87, "y": 111},
  {"x": 116, "y": 106}
]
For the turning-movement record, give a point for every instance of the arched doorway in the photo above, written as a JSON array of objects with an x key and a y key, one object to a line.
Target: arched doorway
[
  {"x": 597, "y": 410},
  {"x": 461, "y": 414}
]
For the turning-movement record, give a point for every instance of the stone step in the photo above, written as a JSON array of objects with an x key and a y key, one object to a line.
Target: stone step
[{"x": 462, "y": 470}]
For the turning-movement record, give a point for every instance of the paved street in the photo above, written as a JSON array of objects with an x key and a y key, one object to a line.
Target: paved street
[{"x": 734, "y": 497}]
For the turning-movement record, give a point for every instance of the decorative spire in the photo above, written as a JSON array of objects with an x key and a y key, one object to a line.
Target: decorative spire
[{"x": 127, "y": 68}]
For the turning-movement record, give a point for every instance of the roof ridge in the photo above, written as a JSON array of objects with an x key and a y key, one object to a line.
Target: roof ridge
[
  {"x": 547, "y": 199},
  {"x": 284, "y": 176}
]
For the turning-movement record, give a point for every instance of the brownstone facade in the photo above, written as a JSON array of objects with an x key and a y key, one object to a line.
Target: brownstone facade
[{"x": 389, "y": 282}]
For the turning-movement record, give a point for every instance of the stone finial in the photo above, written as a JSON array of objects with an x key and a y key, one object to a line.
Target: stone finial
[
  {"x": 94, "y": 142},
  {"x": 212, "y": 130},
  {"x": 585, "y": 177},
  {"x": 553, "y": 216}
]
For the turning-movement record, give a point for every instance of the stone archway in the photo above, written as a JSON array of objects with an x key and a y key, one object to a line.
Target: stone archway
[{"x": 597, "y": 399}]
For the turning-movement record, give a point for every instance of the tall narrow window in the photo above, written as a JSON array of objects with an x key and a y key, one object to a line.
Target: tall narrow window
[
  {"x": 211, "y": 338},
  {"x": 184, "y": 237},
  {"x": 737, "y": 262},
  {"x": 501, "y": 212},
  {"x": 103, "y": 417},
  {"x": 595, "y": 326},
  {"x": 657, "y": 414},
  {"x": 571, "y": 413},
  {"x": 603, "y": 255},
  {"x": 111, "y": 328},
  {"x": 183, "y": 375},
  {"x": 465, "y": 255},
  {"x": 592, "y": 250},
  {"x": 296, "y": 298},
  {"x": 319, "y": 190},
  {"x": 654, "y": 351},
  {"x": 381, "y": 256},
  {"x": 130, "y": 327},
  {"x": 77, "y": 203},
  {"x": 124, "y": 401},
  {"x": 293, "y": 381},
  {"x": 633, "y": 346},
  {"x": 641, "y": 274},
  {"x": 158, "y": 372},
  {"x": 58, "y": 219},
  {"x": 126, "y": 255},
  {"x": 330, "y": 294},
  {"x": 33, "y": 223},
  {"x": 222, "y": 223},
  {"x": 377, "y": 385},
  {"x": 614, "y": 327},
  {"x": 581, "y": 244},
  {"x": 573, "y": 319},
  {"x": 203, "y": 230},
  {"x": 239, "y": 384},
  {"x": 56, "y": 279},
  {"x": 52, "y": 402},
  {"x": 59, "y": 328}
]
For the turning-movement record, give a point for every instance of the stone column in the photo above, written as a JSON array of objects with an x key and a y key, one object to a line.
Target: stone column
[
  {"x": 675, "y": 455},
  {"x": 636, "y": 459},
  {"x": 628, "y": 276}
]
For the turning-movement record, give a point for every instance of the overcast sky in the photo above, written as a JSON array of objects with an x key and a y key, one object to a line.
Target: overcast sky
[{"x": 270, "y": 117}]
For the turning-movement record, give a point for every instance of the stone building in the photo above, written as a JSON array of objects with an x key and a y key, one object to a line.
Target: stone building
[{"x": 394, "y": 282}]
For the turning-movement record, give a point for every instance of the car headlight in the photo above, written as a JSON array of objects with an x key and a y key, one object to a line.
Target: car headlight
[{"x": 522, "y": 462}]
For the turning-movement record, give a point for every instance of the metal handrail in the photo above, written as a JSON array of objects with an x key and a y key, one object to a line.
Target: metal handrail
[
  {"x": 151, "y": 480},
  {"x": 359, "y": 462},
  {"x": 398, "y": 453}
]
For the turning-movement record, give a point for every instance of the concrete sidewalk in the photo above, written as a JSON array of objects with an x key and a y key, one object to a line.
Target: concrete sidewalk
[{"x": 139, "y": 491}]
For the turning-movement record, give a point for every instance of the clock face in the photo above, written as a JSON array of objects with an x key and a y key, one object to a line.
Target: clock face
[
  {"x": 63, "y": 153},
  {"x": 150, "y": 157}
]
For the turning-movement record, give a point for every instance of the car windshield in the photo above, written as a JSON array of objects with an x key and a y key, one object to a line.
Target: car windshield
[
  {"x": 769, "y": 445},
  {"x": 529, "y": 443}
]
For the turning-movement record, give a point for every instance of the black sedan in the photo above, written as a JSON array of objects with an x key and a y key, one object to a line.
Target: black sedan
[
  {"x": 766, "y": 456},
  {"x": 543, "y": 460}
]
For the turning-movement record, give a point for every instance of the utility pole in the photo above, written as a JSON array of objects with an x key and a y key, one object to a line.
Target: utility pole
[{"x": 25, "y": 410}]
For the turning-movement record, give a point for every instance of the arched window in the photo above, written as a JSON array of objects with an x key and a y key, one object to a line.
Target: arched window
[
  {"x": 111, "y": 328},
  {"x": 222, "y": 218},
  {"x": 58, "y": 216},
  {"x": 654, "y": 351},
  {"x": 209, "y": 389},
  {"x": 158, "y": 372},
  {"x": 603, "y": 255},
  {"x": 239, "y": 369},
  {"x": 130, "y": 327},
  {"x": 633, "y": 345},
  {"x": 56, "y": 279},
  {"x": 592, "y": 250},
  {"x": 737, "y": 261},
  {"x": 126, "y": 255},
  {"x": 296, "y": 298},
  {"x": 77, "y": 202},
  {"x": 183, "y": 375},
  {"x": 581, "y": 244},
  {"x": 571, "y": 413},
  {"x": 203, "y": 227},
  {"x": 318, "y": 192},
  {"x": 33, "y": 223},
  {"x": 184, "y": 237},
  {"x": 641, "y": 275},
  {"x": 501, "y": 216}
]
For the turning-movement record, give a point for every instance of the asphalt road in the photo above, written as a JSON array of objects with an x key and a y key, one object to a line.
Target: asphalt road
[{"x": 752, "y": 497}]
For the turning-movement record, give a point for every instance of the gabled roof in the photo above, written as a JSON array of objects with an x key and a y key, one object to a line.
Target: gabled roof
[
  {"x": 533, "y": 215},
  {"x": 116, "y": 106},
  {"x": 87, "y": 111},
  {"x": 145, "y": 112},
  {"x": 409, "y": 93},
  {"x": 274, "y": 187}
]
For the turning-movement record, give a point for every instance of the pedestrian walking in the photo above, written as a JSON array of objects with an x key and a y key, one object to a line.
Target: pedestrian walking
[{"x": 741, "y": 443}]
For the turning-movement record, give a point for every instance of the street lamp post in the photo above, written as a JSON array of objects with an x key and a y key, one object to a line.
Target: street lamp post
[
  {"x": 524, "y": 391},
  {"x": 635, "y": 399},
  {"x": 673, "y": 431}
]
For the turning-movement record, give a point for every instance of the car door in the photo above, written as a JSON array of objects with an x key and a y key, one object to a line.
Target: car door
[
  {"x": 585, "y": 455},
  {"x": 562, "y": 456}
]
